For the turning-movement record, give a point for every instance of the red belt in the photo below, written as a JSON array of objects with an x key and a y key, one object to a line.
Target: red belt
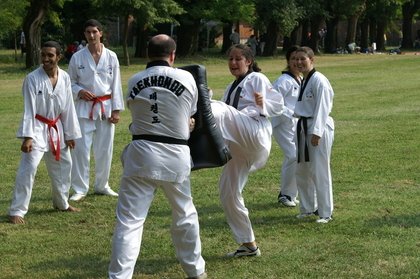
[
  {"x": 100, "y": 100},
  {"x": 52, "y": 125}
]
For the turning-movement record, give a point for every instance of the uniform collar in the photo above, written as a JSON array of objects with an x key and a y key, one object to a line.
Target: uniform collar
[{"x": 157, "y": 63}]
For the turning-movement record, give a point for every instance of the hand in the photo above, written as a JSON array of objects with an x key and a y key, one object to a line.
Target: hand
[
  {"x": 26, "y": 145},
  {"x": 315, "y": 140},
  {"x": 70, "y": 143},
  {"x": 115, "y": 117},
  {"x": 192, "y": 124},
  {"x": 86, "y": 95},
  {"x": 259, "y": 99}
]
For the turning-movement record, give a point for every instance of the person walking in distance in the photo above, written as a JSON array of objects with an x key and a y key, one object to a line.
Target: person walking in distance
[
  {"x": 96, "y": 85},
  {"x": 242, "y": 116},
  {"x": 162, "y": 101},
  {"x": 315, "y": 136},
  {"x": 48, "y": 130},
  {"x": 284, "y": 128}
]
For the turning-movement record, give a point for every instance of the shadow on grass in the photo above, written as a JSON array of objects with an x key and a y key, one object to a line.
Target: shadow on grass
[
  {"x": 93, "y": 266},
  {"x": 401, "y": 221}
]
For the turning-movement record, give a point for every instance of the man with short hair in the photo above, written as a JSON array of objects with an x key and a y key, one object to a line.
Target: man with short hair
[
  {"x": 48, "y": 130},
  {"x": 97, "y": 91},
  {"x": 162, "y": 100}
]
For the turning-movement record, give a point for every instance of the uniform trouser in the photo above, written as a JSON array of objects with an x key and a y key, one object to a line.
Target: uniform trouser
[
  {"x": 284, "y": 134},
  {"x": 99, "y": 134},
  {"x": 313, "y": 178},
  {"x": 249, "y": 141},
  {"x": 58, "y": 171},
  {"x": 135, "y": 197}
]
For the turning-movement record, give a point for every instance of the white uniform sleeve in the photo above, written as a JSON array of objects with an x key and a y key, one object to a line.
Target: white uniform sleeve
[
  {"x": 68, "y": 117},
  {"x": 323, "y": 106},
  {"x": 274, "y": 103},
  {"x": 117, "y": 93},
  {"x": 27, "y": 126}
]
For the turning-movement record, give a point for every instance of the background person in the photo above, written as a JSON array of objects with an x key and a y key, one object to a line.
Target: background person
[
  {"x": 96, "y": 85},
  {"x": 162, "y": 101},
  {"x": 284, "y": 128},
  {"x": 242, "y": 116},
  {"x": 315, "y": 136},
  {"x": 49, "y": 127},
  {"x": 235, "y": 37}
]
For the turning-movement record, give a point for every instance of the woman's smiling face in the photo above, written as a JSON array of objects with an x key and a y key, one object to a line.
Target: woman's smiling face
[{"x": 238, "y": 64}]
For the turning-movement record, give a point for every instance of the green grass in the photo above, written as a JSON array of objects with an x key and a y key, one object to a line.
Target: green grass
[{"x": 376, "y": 173}]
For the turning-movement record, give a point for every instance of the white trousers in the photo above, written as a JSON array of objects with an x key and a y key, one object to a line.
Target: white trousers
[
  {"x": 58, "y": 171},
  {"x": 135, "y": 197},
  {"x": 249, "y": 141},
  {"x": 99, "y": 135},
  {"x": 313, "y": 178},
  {"x": 284, "y": 134}
]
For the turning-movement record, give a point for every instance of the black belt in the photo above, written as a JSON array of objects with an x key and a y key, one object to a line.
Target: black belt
[
  {"x": 303, "y": 121},
  {"x": 162, "y": 139}
]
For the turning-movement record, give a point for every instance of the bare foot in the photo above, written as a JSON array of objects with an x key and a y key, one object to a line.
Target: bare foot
[
  {"x": 16, "y": 220},
  {"x": 72, "y": 209}
]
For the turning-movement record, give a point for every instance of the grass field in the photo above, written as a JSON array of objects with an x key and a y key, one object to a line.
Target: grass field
[{"x": 376, "y": 181}]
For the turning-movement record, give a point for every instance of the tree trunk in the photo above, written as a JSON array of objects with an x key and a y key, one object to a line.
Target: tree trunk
[
  {"x": 351, "y": 29},
  {"x": 408, "y": 10},
  {"x": 32, "y": 27},
  {"x": 142, "y": 35},
  {"x": 227, "y": 30},
  {"x": 315, "y": 27},
  {"x": 304, "y": 41},
  {"x": 270, "y": 48},
  {"x": 291, "y": 40},
  {"x": 372, "y": 30},
  {"x": 364, "y": 35},
  {"x": 331, "y": 35},
  {"x": 125, "y": 40},
  {"x": 187, "y": 37},
  {"x": 380, "y": 31}
]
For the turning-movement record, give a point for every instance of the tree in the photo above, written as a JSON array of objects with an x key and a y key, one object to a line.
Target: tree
[
  {"x": 11, "y": 12},
  {"x": 147, "y": 13},
  {"x": 37, "y": 12},
  {"x": 279, "y": 17},
  {"x": 409, "y": 9}
]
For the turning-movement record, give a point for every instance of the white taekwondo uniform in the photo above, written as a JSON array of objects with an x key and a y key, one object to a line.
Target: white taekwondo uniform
[
  {"x": 247, "y": 131},
  {"x": 284, "y": 128},
  {"x": 40, "y": 98},
  {"x": 102, "y": 79},
  {"x": 161, "y": 100},
  {"x": 313, "y": 177}
]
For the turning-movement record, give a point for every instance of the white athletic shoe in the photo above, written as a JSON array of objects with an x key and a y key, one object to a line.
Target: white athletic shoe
[
  {"x": 323, "y": 220},
  {"x": 244, "y": 251},
  {"x": 77, "y": 197},
  {"x": 286, "y": 202},
  {"x": 107, "y": 192},
  {"x": 201, "y": 276}
]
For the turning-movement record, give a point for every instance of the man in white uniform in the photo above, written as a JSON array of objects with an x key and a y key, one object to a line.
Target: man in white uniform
[
  {"x": 284, "y": 128},
  {"x": 162, "y": 101},
  {"x": 49, "y": 127},
  {"x": 97, "y": 91}
]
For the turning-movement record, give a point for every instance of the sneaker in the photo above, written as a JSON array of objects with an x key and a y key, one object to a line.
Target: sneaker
[
  {"x": 77, "y": 197},
  {"x": 323, "y": 220},
  {"x": 305, "y": 215},
  {"x": 296, "y": 201},
  {"x": 107, "y": 192},
  {"x": 201, "y": 276},
  {"x": 286, "y": 201},
  {"x": 244, "y": 251}
]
